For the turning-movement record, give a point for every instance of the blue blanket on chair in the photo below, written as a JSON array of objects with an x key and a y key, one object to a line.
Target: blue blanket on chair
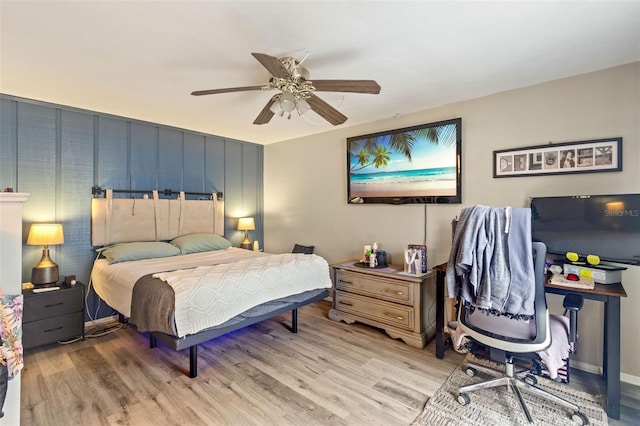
[{"x": 490, "y": 265}]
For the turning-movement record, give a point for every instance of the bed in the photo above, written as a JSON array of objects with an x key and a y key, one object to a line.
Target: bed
[{"x": 165, "y": 266}]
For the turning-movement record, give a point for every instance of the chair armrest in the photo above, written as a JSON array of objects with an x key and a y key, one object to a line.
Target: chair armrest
[{"x": 573, "y": 303}]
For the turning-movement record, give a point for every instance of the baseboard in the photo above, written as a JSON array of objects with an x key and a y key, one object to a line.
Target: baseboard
[
  {"x": 589, "y": 368},
  {"x": 628, "y": 378}
]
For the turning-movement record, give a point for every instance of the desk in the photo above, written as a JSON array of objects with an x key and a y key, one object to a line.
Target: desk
[{"x": 609, "y": 294}]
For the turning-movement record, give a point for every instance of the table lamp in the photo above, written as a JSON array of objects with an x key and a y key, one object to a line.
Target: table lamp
[
  {"x": 246, "y": 224},
  {"x": 45, "y": 234}
]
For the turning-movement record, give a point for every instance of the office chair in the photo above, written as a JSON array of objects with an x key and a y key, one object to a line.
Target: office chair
[{"x": 507, "y": 339}]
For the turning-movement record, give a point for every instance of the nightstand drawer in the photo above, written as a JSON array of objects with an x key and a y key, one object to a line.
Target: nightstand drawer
[
  {"x": 379, "y": 311},
  {"x": 51, "y": 330},
  {"x": 370, "y": 285},
  {"x": 53, "y": 303}
]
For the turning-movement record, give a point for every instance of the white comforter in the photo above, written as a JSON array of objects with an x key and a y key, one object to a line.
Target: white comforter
[
  {"x": 210, "y": 295},
  {"x": 114, "y": 283}
]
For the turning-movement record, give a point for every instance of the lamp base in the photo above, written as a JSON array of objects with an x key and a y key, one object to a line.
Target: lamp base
[
  {"x": 246, "y": 243},
  {"x": 46, "y": 271},
  {"x": 42, "y": 276}
]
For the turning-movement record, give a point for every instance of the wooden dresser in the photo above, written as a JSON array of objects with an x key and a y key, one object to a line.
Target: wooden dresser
[{"x": 402, "y": 305}]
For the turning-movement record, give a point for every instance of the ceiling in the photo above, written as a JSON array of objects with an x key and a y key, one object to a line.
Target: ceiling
[{"x": 142, "y": 59}]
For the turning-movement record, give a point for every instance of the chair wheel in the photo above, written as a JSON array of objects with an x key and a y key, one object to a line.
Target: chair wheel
[
  {"x": 577, "y": 417},
  {"x": 471, "y": 372},
  {"x": 531, "y": 379},
  {"x": 464, "y": 399}
]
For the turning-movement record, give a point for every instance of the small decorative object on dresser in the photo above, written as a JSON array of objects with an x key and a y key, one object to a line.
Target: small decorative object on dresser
[
  {"x": 385, "y": 298},
  {"x": 52, "y": 314}
]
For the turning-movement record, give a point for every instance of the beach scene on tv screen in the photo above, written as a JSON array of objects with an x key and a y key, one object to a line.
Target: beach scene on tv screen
[{"x": 420, "y": 162}]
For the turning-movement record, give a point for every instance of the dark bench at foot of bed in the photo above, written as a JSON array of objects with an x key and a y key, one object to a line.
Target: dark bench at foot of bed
[{"x": 193, "y": 340}]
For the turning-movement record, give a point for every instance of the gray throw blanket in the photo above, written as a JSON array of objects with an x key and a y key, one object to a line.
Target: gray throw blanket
[
  {"x": 152, "y": 305},
  {"x": 491, "y": 262}
]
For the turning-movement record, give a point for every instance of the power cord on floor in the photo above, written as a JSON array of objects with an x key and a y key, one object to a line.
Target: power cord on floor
[
  {"x": 103, "y": 329},
  {"x": 97, "y": 330}
]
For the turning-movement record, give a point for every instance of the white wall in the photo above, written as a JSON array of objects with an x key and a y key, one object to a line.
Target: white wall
[{"x": 305, "y": 181}]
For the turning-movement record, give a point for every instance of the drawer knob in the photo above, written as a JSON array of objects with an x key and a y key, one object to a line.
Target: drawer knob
[
  {"x": 389, "y": 314},
  {"x": 346, "y": 303},
  {"x": 388, "y": 290},
  {"x": 53, "y": 329},
  {"x": 55, "y": 304},
  {"x": 346, "y": 282}
]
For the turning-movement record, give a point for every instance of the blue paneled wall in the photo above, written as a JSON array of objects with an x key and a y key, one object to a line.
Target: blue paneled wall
[{"x": 57, "y": 153}]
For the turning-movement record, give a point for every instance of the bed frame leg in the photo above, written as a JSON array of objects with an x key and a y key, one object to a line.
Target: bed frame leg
[
  {"x": 294, "y": 321},
  {"x": 193, "y": 361},
  {"x": 152, "y": 341}
]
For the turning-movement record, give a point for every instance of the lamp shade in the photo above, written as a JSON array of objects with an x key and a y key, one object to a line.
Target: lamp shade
[
  {"x": 246, "y": 224},
  {"x": 45, "y": 234}
]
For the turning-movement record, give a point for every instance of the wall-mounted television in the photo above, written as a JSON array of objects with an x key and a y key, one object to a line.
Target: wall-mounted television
[
  {"x": 413, "y": 165},
  {"x": 607, "y": 226}
]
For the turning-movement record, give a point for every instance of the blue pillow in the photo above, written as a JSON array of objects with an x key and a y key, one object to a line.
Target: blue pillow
[
  {"x": 124, "y": 252},
  {"x": 195, "y": 243}
]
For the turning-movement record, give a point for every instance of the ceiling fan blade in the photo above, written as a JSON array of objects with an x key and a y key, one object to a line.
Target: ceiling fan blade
[
  {"x": 326, "y": 111},
  {"x": 353, "y": 86},
  {"x": 227, "y": 90},
  {"x": 272, "y": 64},
  {"x": 266, "y": 114}
]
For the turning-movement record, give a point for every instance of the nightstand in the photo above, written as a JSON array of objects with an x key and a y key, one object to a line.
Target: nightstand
[{"x": 53, "y": 316}]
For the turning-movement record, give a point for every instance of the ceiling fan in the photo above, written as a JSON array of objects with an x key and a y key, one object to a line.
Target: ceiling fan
[{"x": 291, "y": 79}]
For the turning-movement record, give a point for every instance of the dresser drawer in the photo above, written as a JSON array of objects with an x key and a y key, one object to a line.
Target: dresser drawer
[
  {"x": 378, "y": 287},
  {"x": 377, "y": 310},
  {"x": 53, "y": 303},
  {"x": 51, "y": 330}
]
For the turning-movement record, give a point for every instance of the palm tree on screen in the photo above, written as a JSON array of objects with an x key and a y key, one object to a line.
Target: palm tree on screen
[{"x": 369, "y": 153}]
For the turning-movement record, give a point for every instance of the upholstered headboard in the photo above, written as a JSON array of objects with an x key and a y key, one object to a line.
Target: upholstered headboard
[{"x": 119, "y": 220}]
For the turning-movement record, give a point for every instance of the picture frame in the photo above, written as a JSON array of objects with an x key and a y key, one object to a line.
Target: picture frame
[{"x": 591, "y": 156}]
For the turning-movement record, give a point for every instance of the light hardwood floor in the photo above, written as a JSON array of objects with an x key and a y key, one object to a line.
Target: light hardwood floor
[{"x": 330, "y": 373}]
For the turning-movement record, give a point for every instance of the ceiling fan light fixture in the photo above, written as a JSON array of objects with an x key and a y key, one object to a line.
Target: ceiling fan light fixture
[
  {"x": 302, "y": 106},
  {"x": 275, "y": 107},
  {"x": 287, "y": 102},
  {"x": 295, "y": 90}
]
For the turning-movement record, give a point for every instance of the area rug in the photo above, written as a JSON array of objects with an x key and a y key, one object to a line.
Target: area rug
[{"x": 499, "y": 407}]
